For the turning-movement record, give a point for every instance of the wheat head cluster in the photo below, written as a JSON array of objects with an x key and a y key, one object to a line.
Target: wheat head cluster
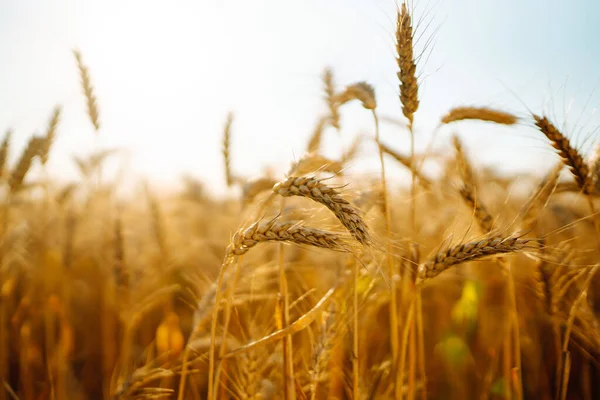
[{"x": 311, "y": 284}]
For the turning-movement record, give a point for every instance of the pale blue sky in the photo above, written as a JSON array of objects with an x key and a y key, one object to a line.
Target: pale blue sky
[{"x": 167, "y": 72}]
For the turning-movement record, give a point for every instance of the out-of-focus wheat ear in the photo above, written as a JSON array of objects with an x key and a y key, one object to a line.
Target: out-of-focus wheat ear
[
  {"x": 323, "y": 348},
  {"x": 157, "y": 223},
  {"x": 464, "y": 167},
  {"x": 50, "y": 134},
  {"x": 409, "y": 87},
  {"x": 4, "y": 147},
  {"x": 330, "y": 98},
  {"x": 24, "y": 164},
  {"x": 352, "y": 151},
  {"x": 405, "y": 161},
  {"x": 480, "y": 114},
  {"x": 361, "y": 91},
  {"x": 540, "y": 198},
  {"x": 255, "y": 187},
  {"x": 88, "y": 91},
  {"x": 469, "y": 252},
  {"x": 314, "y": 143},
  {"x": 227, "y": 150},
  {"x": 570, "y": 156},
  {"x": 482, "y": 216},
  {"x": 468, "y": 189},
  {"x": 312, "y": 163}
]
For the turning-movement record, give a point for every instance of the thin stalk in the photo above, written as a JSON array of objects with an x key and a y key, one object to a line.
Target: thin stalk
[
  {"x": 514, "y": 326},
  {"x": 229, "y": 302},
  {"x": 421, "y": 341},
  {"x": 403, "y": 349},
  {"x": 390, "y": 262},
  {"x": 412, "y": 349},
  {"x": 355, "y": 365},
  {"x": 506, "y": 359},
  {"x": 290, "y": 392},
  {"x": 213, "y": 334},
  {"x": 570, "y": 321}
]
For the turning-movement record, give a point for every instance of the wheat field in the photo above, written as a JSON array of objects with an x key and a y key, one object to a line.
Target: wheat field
[{"x": 312, "y": 283}]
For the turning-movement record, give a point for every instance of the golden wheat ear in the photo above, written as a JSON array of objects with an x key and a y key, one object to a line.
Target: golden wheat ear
[
  {"x": 470, "y": 252},
  {"x": 23, "y": 166},
  {"x": 570, "y": 156},
  {"x": 88, "y": 91},
  {"x": 4, "y": 147},
  {"x": 226, "y": 150},
  {"x": 50, "y": 134},
  {"x": 330, "y": 98},
  {"x": 479, "y": 114},
  {"x": 409, "y": 87},
  {"x": 317, "y": 191}
]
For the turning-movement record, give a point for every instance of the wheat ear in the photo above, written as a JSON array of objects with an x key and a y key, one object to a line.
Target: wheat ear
[
  {"x": 288, "y": 231},
  {"x": 226, "y": 150},
  {"x": 4, "y": 151},
  {"x": 88, "y": 91},
  {"x": 409, "y": 88},
  {"x": 314, "y": 143},
  {"x": 469, "y": 252},
  {"x": 330, "y": 98},
  {"x": 571, "y": 157},
  {"x": 316, "y": 190},
  {"x": 479, "y": 113},
  {"x": 49, "y": 136},
  {"x": 24, "y": 164}
]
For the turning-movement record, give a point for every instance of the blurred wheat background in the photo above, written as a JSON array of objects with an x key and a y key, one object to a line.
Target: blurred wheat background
[{"x": 325, "y": 200}]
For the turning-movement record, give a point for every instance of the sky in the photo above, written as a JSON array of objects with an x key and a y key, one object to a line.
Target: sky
[{"x": 166, "y": 73}]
